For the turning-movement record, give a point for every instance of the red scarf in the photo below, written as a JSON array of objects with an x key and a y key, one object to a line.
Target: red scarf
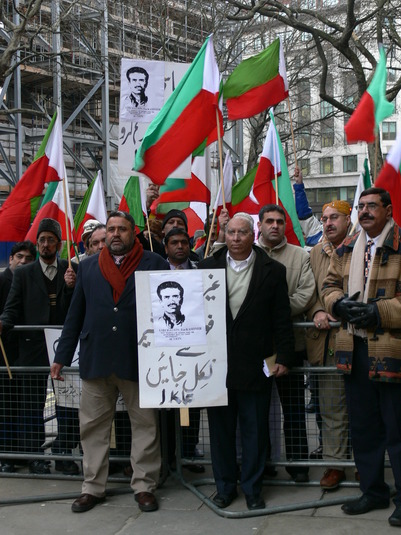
[{"x": 117, "y": 277}]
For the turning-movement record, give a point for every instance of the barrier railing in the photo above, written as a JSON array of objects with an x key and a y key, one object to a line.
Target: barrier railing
[{"x": 185, "y": 451}]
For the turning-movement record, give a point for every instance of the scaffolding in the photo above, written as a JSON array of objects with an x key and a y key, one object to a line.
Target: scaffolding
[{"x": 69, "y": 60}]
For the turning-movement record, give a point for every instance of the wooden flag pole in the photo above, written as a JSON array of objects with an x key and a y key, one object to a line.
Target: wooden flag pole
[
  {"x": 210, "y": 233},
  {"x": 184, "y": 417},
  {"x": 5, "y": 358},
  {"x": 376, "y": 151},
  {"x": 292, "y": 132},
  {"x": 223, "y": 195},
  {"x": 150, "y": 235},
  {"x": 66, "y": 223}
]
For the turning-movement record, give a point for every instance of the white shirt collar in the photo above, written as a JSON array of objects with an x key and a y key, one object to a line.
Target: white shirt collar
[{"x": 239, "y": 265}]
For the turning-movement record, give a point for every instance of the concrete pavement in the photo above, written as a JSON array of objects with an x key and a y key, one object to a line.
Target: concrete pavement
[{"x": 43, "y": 507}]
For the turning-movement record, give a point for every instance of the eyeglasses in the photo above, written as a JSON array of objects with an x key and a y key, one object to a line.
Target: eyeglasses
[
  {"x": 332, "y": 217},
  {"x": 371, "y": 206},
  {"x": 50, "y": 241}
]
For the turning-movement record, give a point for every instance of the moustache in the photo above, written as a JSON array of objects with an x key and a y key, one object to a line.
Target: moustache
[{"x": 365, "y": 217}]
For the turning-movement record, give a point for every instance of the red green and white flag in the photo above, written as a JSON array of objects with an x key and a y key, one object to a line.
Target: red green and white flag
[
  {"x": 53, "y": 206},
  {"x": 372, "y": 109},
  {"x": 19, "y": 209},
  {"x": 93, "y": 206},
  {"x": 189, "y": 195},
  {"x": 240, "y": 195},
  {"x": 364, "y": 182},
  {"x": 272, "y": 164},
  {"x": 133, "y": 201},
  {"x": 257, "y": 83},
  {"x": 185, "y": 121},
  {"x": 178, "y": 190},
  {"x": 390, "y": 178}
]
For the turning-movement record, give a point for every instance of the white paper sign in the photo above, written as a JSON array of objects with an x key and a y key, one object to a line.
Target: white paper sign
[
  {"x": 68, "y": 392},
  {"x": 178, "y": 308},
  {"x": 142, "y": 90},
  {"x": 182, "y": 361},
  {"x": 134, "y": 120}
]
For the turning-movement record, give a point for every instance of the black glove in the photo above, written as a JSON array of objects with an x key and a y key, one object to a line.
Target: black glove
[
  {"x": 348, "y": 308},
  {"x": 368, "y": 317}
]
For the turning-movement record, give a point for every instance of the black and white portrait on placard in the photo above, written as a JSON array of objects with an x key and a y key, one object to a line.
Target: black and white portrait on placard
[
  {"x": 142, "y": 90},
  {"x": 182, "y": 347},
  {"x": 177, "y": 308}
]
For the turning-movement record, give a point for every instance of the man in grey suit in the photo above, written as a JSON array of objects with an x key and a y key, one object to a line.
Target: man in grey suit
[{"x": 102, "y": 317}]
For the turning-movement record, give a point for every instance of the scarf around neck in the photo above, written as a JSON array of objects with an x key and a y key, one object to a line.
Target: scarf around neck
[{"x": 117, "y": 277}]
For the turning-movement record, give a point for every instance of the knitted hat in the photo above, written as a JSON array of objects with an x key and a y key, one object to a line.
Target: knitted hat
[
  {"x": 49, "y": 225},
  {"x": 89, "y": 227},
  {"x": 175, "y": 213}
]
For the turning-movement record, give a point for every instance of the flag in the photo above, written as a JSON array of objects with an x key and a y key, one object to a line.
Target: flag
[
  {"x": 364, "y": 182},
  {"x": 179, "y": 193},
  {"x": 269, "y": 167},
  {"x": 53, "y": 206},
  {"x": 19, "y": 209},
  {"x": 240, "y": 195},
  {"x": 213, "y": 136},
  {"x": 133, "y": 201},
  {"x": 372, "y": 109},
  {"x": 257, "y": 83},
  {"x": 390, "y": 178},
  {"x": 185, "y": 121},
  {"x": 93, "y": 206},
  {"x": 271, "y": 164}
]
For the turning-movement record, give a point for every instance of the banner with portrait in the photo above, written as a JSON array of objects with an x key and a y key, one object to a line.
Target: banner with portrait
[
  {"x": 145, "y": 87},
  {"x": 182, "y": 346}
]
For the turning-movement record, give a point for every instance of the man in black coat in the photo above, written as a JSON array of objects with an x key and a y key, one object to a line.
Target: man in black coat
[
  {"x": 102, "y": 317},
  {"x": 258, "y": 326},
  {"x": 21, "y": 253},
  {"x": 40, "y": 294}
]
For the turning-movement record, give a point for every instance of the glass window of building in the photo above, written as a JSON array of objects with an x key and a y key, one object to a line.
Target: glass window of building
[
  {"x": 350, "y": 163},
  {"x": 389, "y": 129},
  {"x": 326, "y": 165}
]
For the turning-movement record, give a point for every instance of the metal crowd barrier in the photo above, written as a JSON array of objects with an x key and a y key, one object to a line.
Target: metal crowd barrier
[{"x": 17, "y": 436}]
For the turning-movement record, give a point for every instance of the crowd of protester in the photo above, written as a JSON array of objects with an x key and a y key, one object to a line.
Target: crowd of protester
[{"x": 347, "y": 286}]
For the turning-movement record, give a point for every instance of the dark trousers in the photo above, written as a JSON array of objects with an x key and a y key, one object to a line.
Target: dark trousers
[
  {"x": 291, "y": 390},
  {"x": 8, "y": 413},
  {"x": 374, "y": 409},
  {"x": 189, "y": 434},
  {"x": 68, "y": 430},
  {"x": 251, "y": 410}
]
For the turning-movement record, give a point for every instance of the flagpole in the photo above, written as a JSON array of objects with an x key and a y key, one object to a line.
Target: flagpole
[
  {"x": 223, "y": 195},
  {"x": 292, "y": 132},
  {"x": 5, "y": 358},
  {"x": 376, "y": 151},
  {"x": 149, "y": 234},
  {"x": 66, "y": 223},
  {"x": 210, "y": 233}
]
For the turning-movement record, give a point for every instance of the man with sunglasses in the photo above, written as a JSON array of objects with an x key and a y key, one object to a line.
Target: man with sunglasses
[{"x": 363, "y": 289}]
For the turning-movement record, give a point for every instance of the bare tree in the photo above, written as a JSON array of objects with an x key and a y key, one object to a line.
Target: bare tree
[{"x": 343, "y": 33}]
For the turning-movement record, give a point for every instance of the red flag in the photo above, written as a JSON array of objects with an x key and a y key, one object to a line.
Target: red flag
[{"x": 19, "y": 209}]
